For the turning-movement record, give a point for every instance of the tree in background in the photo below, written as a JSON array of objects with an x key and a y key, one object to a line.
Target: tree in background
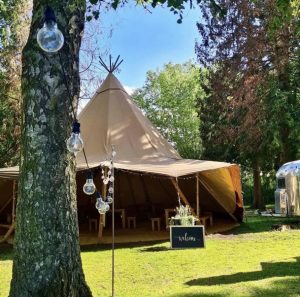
[
  {"x": 13, "y": 34},
  {"x": 169, "y": 99},
  {"x": 243, "y": 120}
]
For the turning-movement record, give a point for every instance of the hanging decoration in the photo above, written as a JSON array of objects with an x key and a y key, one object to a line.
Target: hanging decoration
[
  {"x": 75, "y": 143},
  {"x": 102, "y": 203},
  {"x": 89, "y": 187},
  {"x": 49, "y": 37}
]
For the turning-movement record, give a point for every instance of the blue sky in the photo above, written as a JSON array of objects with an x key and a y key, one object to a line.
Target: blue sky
[{"x": 146, "y": 41}]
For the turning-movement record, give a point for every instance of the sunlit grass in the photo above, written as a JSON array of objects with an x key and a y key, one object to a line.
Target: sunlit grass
[{"x": 249, "y": 262}]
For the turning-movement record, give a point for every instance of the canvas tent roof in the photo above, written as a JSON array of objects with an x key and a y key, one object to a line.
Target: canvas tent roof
[{"x": 112, "y": 118}]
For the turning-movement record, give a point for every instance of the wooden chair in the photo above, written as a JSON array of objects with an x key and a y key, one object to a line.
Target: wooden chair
[
  {"x": 204, "y": 217},
  {"x": 131, "y": 221},
  {"x": 155, "y": 221}
]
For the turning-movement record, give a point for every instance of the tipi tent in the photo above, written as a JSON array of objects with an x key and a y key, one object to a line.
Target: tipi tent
[{"x": 150, "y": 174}]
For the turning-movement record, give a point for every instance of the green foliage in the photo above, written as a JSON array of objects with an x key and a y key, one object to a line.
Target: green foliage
[
  {"x": 169, "y": 99},
  {"x": 12, "y": 24},
  {"x": 177, "y": 7},
  {"x": 251, "y": 115}
]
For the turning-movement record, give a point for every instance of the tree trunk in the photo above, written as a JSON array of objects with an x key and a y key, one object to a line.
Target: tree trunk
[
  {"x": 257, "y": 199},
  {"x": 47, "y": 259}
]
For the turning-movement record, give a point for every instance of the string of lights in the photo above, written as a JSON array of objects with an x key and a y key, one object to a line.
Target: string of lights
[{"x": 51, "y": 40}]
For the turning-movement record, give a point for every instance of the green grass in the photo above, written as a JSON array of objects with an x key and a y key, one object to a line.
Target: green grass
[{"x": 250, "y": 261}]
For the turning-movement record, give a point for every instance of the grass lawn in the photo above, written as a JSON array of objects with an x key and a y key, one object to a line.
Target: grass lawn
[{"x": 250, "y": 261}]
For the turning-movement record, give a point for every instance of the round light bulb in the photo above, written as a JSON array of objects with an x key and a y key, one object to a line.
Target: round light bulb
[
  {"x": 49, "y": 37},
  {"x": 111, "y": 190},
  {"x": 109, "y": 200},
  {"x": 89, "y": 187},
  {"x": 75, "y": 143},
  {"x": 112, "y": 179}
]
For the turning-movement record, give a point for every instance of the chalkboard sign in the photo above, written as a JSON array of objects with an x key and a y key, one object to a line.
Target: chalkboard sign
[{"x": 187, "y": 237}]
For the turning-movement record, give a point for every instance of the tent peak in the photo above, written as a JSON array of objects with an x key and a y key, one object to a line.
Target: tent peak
[{"x": 112, "y": 65}]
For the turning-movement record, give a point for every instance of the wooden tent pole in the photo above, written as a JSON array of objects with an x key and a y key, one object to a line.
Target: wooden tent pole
[
  {"x": 7, "y": 202},
  {"x": 14, "y": 202},
  {"x": 102, "y": 216},
  {"x": 8, "y": 233},
  {"x": 197, "y": 195},
  {"x": 181, "y": 194}
]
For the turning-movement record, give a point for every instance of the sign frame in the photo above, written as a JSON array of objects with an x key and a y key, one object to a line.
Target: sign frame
[{"x": 186, "y": 237}]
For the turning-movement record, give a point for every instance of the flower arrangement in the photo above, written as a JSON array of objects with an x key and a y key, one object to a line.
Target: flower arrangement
[{"x": 183, "y": 216}]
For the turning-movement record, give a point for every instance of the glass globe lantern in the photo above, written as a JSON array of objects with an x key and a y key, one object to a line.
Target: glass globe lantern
[
  {"x": 49, "y": 37},
  {"x": 75, "y": 143},
  {"x": 89, "y": 187}
]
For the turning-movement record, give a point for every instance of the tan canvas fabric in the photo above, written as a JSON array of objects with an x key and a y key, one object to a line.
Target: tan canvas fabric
[{"x": 117, "y": 121}]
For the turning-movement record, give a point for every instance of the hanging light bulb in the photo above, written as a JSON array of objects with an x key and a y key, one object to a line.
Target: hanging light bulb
[
  {"x": 49, "y": 37},
  {"x": 75, "y": 143},
  {"x": 101, "y": 205},
  {"x": 89, "y": 187},
  {"x": 109, "y": 200}
]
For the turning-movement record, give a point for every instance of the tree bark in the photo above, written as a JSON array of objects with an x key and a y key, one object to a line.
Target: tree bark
[
  {"x": 257, "y": 199},
  {"x": 47, "y": 259}
]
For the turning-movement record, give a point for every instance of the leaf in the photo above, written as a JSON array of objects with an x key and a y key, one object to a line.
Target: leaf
[{"x": 89, "y": 18}]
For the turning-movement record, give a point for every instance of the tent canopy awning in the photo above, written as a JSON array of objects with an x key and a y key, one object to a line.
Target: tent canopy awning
[
  {"x": 163, "y": 166},
  {"x": 168, "y": 167}
]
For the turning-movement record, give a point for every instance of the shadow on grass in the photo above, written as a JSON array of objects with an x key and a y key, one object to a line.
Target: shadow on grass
[
  {"x": 6, "y": 250},
  {"x": 99, "y": 247},
  {"x": 256, "y": 224},
  {"x": 157, "y": 249},
  {"x": 278, "y": 288},
  {"x": 268, "y": 270},
  {"x": 200, "y": 295}
]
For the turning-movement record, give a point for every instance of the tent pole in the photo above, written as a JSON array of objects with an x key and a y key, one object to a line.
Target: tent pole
[
  {"x": 102, "y": 216},
  {"x": 197, "y": 195},
  {"x": 14, "y": 202},
  {"x": 181, "y": 194},
  {"x": 8, "y": 233},
  {"x": 4, "y": 206}
]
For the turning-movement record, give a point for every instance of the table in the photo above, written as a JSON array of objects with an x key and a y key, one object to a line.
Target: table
[{"x": 167, "y": 213}]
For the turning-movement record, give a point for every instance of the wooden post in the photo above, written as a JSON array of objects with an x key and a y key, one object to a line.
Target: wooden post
[
  {"x": 197, "y": 195},
  {"x": 5, "y": 205},
  {"x": 102, "y": 216},
  {"x": 8, "y": 233},
  {"x": 14, "y": 202},
  {"x": 181, "y": 195}
]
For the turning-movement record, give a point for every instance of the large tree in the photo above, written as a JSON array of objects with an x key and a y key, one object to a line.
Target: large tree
[
  {"x": 248, "y": 53},
  {"x": 47, "y": 256},
  {"x": 169, "y": 98}
]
